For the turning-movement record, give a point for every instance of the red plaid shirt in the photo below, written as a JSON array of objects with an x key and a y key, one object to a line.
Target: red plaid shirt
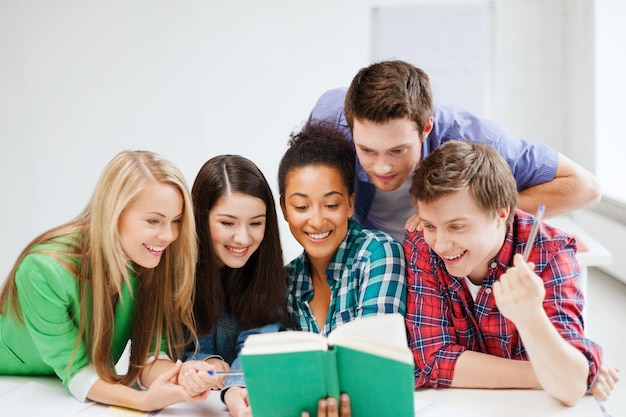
[{"x": 443, "y": 320}]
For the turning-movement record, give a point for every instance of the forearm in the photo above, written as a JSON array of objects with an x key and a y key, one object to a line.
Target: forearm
[
  {"x": 561, "y": 369},
  {"x": 118, "y": 394},
  {"x": 152, "y": 371},
  {"x": 558, "y": 196},
  {"x": 163, "y": 390},
  {"x": 481, "y": 370},
  {"x": 572, "y": 188}
]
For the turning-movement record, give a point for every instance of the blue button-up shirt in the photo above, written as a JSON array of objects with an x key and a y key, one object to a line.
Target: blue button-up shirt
[{"x": 532, "y": 163}]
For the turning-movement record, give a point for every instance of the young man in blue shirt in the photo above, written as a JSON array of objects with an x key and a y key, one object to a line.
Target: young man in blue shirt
[{"x": 389, "y": 114}]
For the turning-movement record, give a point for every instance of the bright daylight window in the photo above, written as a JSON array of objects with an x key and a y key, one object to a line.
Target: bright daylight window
[{"x": 610, "y": 116}]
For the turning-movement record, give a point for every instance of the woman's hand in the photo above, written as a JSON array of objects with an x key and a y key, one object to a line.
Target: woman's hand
[
  {"x": 194, "y": 376},
  {"x": 236, "y": 399},
  {"x": 327, "y": 407},
  {"x": 164, "y": 391}
]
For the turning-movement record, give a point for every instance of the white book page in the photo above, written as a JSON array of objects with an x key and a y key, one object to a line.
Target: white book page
[
  {"x": 395, "y": 352},
  {"x": 385, "y": 329},
  {"x": 281, "y": 342}
]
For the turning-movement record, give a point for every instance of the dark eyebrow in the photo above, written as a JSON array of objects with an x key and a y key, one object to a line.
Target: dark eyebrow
[
  {"x": 235, "y": 217},
  {"x": 328, "y": 194}
]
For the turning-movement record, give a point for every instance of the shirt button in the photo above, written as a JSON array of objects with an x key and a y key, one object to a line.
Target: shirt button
[
  {"x": 493, "y": 264},
  {"x": 488, "y": 290}
]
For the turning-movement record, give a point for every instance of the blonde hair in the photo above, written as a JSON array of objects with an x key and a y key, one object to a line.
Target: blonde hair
[{"x": 93, "y": 253}]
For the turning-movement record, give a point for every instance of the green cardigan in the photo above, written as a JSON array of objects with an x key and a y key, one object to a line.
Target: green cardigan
[{"x": 49, "y": 300}]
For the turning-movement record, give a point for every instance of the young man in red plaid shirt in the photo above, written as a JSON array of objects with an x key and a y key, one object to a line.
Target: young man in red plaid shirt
[{"x": 478, "y": 315}]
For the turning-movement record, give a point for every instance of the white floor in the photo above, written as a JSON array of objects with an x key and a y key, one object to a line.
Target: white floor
[{"x": 606, "y": 325}]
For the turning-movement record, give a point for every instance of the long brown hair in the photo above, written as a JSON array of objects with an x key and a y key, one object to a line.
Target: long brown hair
[
  {"x": 92, "y": 252},
  {"x": 255, "y": 293}
]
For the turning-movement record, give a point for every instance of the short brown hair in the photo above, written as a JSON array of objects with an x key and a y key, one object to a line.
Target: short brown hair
[
  {"x": 389, "y": 90},
  {"x": 457, "y": 165}
]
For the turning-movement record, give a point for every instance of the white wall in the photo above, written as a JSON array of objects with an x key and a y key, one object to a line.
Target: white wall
[{"x": 80, "y": 81}]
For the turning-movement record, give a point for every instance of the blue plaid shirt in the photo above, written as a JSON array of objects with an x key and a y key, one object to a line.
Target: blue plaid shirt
[{"x": 367, "y": 276}]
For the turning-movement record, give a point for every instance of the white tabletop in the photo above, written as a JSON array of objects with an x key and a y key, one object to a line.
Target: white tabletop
[
  {"x": 497, "y": 403},
  {"x": 28, "y": 396}
]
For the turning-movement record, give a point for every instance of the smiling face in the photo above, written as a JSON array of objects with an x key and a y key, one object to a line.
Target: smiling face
[
  {"x": 463, "y": 235},
  {"x": 388, "y": 152},
  {"x": 150, "y": 223},
  {"x": 317, "y": 207},
  {"x": 237, "y": 227}
]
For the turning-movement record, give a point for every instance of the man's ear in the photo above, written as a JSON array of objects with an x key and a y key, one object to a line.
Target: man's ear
[
  {"x": 428, "y": 128},
  {"x": 502, "y": 215}
]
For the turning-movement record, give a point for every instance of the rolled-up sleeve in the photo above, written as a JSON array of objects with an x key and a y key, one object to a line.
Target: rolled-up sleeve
[{"x": 432, "y": 337}]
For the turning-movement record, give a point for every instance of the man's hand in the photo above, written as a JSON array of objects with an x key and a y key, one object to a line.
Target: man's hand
[
  {"x": 413, "y": 223},
  {"x": 519, "y": 293},
  {"x": 605, "y": 382}
]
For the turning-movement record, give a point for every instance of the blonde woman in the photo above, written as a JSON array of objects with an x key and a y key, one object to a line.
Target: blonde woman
[{"x": 122, "y": 270}]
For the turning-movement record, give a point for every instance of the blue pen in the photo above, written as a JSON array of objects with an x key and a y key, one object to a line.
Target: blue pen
[
  {"x": 533, "y": 232},
  {"x": 225, "y": 373}
]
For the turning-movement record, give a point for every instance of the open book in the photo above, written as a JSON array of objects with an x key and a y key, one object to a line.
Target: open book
[{"x": 368, "y": 358}]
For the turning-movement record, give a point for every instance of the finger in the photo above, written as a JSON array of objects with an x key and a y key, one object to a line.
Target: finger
[
  {"x": 600, "y": 394},
  {"x": 526, "y": 268},
  {"x": 172, "y": 374},
  {"x": 344, "y": 407},
  {"x": 322, "y": 407},
  {"x": 331, "y": 405},
  {"x": 506, "y": 283}
]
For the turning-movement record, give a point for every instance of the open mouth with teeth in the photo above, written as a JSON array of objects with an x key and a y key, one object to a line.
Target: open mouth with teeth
[
  {"x": 155, "y": 250},
  {"x": 236, "y": 251},
  {"x": 452, "y": 258},
  {"x": 319, "y": 236}
]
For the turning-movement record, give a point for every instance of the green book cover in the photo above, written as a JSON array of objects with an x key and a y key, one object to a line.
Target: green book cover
[
  {"x": 369, "y": 359},
  {"x": 377, "y": 386},
  {"x": 285, "y": 384}
]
